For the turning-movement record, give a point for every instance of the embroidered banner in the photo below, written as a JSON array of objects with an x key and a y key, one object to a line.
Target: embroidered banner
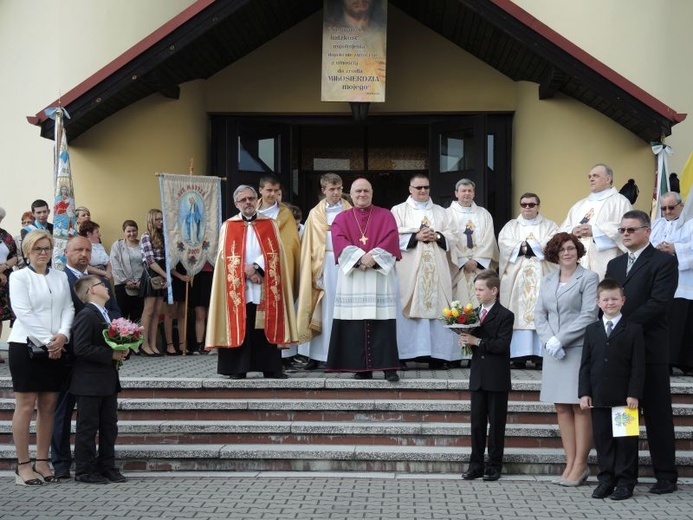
[
  {"x": 64, "y": 218},
  {"x": 191, "y": 205}
]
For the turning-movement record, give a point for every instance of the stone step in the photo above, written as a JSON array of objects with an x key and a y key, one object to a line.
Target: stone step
[
  {"x": 324, "y": 388},
  {"x": 333, "y": 433},
  {"x": 346, "y": 458}
]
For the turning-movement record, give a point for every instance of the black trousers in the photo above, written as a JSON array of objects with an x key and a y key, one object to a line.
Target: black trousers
[
  {"x": 256, "y": 354},
  {"x": 659, "y": 422},
  {"x": 488, "y": 409},
  {"x": 617, "y": 456},
  {"x": 61, "y": 454},
  {"x": 95, "y": 414}
]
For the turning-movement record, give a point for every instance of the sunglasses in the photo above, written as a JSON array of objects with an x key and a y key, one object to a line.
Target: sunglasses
[
  {"x": 630, "y": 230},
  {"x": 420, "y": 188},
  {"x": 528, "y": 204},
  {"x": 669, "y": 208}
]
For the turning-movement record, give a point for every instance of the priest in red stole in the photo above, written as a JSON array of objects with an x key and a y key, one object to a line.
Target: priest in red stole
[
  {"x": 366, "y": 246},
  {"x": 251, "y": 314}
]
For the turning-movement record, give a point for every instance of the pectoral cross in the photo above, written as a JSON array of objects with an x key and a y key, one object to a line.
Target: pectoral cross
[{"x": 363, "y": 239}]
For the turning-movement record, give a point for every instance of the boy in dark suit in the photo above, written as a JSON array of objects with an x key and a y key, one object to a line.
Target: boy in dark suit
[
  {"x": 612, "y": 373},
  {"x": 95, "y": 383},
  {"x": 489, "y": 380}
]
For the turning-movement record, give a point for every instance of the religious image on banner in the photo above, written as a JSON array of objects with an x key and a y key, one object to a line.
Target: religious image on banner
[
  {"x": 64, "y": 217},
  {"x": 191, "y": 205},
  {"x": 354, "y": 45}
]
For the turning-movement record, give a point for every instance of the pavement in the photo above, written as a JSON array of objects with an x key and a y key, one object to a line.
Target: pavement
[
  {"x": 316, "y": 496},
  {"x": 322, "y": 496}
]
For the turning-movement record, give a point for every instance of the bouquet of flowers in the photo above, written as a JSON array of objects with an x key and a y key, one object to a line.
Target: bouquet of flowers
[
  {"x": 459, "y": 319},
  {"x": 123, "y": 334}
]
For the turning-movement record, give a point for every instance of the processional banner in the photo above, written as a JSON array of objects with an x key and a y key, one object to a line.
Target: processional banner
[
  {"x": 191, "y": 206},
  {"x": 64, "y": 217}
]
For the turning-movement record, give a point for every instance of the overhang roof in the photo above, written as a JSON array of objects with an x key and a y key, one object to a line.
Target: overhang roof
[{"x": 210, "y": 35}]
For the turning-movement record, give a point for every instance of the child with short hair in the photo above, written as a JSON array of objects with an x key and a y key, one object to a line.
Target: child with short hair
[
  {"x": 489, "y": 379},
  {"x": 612, "y": 373},
  {"x": 95, "y": 383}
]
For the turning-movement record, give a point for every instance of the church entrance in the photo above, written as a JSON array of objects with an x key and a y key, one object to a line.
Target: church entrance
[{"x": 387, "y": 150}]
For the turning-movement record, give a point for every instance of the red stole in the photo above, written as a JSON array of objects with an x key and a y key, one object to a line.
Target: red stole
[{"x": 270, "y": 311}]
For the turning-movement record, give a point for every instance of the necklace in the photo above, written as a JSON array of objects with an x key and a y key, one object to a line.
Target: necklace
[{"x": 363, "y": 231}]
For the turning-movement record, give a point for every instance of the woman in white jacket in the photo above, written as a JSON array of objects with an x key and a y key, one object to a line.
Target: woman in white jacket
[{"x": 41, "y": 301}]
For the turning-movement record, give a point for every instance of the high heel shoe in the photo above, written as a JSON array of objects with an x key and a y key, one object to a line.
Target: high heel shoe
[
  {"x": 48, "y": 479},
  {"x": 21, "y": 482},
  {"x": 578, "y": 482},
  {"x": 168, "y": 352}
]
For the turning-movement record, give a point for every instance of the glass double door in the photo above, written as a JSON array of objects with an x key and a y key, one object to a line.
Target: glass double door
[{"x": 386, "y": 150}]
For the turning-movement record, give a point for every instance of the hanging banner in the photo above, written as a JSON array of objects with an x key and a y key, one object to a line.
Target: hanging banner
[
  {"x": 191, "y": 206},
  {"x": 64, "y": 218},
  {"x": 662, "y": 151},
  {"x": 354, "y": 37}
]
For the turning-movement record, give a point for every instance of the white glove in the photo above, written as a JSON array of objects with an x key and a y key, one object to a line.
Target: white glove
[{"x": 554, "y": 348}]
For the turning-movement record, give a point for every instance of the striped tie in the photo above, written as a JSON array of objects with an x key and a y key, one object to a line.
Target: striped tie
[
  {"x": 609, "y": 328},
  {"x": 631, "y": 261}
]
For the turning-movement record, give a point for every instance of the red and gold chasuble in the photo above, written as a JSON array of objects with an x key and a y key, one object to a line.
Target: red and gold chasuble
[{"x": 275, "y": 312}]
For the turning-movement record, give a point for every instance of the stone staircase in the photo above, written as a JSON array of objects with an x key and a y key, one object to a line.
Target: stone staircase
[{"x": 319, "y": 422}]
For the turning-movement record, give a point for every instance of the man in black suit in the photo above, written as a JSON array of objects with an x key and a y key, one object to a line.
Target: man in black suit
[
  {"x": 489, "y": 380},
  {"x": 649, "y": 279},
  {"x": 95, "y": 383},
  {"x": 78, "y": 255}
]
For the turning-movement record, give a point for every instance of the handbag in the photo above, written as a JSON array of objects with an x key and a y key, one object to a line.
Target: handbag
[
  {"x": 36, "y": 351},
  {"x": 156, "y": 282}
]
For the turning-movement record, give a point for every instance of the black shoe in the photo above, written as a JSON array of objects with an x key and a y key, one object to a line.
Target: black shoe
[
  {"x": 603, "y": 491},
  {"x": 114, "y": 475},
  {"x": 518, "y": 364},
  {"x": 436, "y": 364},
  {"x": 491, "y": 474},
  {"x": 63, "y": 476},
  {"x": 91, "y": 478},
  {"x": 275, "y": 375},
  {"x": 391, "y": 376},
  {"x": 237, "y": 376},
  {"x": 363, "y": 375},
  {"x": 621, "y": 493},
  {"x": 314, "y": 364},
  {"x": 473, "y": 473},
  {"x": 663, "y": 487}
]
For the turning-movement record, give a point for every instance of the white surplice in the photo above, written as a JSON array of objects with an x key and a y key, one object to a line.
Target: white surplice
[
  {"x": 680, "y": 234},
  {"x": 521, "y": 277},
  {"x": 603, "y": 211},
  {"x": 471, "y": 225},
  {"x": 424, "y": 284}
]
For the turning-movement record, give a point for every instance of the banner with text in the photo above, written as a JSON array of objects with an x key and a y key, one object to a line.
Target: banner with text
[
  {"x": 191, "y": 205},
  {"x": 354, "y": 38}
]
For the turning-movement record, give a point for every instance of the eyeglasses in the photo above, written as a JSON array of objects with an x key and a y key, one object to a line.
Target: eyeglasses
[
  {"x": 247, "y": 199},
  {"x": 41, "y": 250},
  {"x": 670, "y": 208},
  {"x": 528, "y": 204},
  {"x": 567, "y": 250},
  {"x": 420, "y": 188},
  {"x": 630, "y": 230},
  {"x": 97, "y": 284}
]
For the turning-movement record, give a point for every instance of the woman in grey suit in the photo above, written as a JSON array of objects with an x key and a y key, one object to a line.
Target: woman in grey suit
[{"x": 567, "y": 304}]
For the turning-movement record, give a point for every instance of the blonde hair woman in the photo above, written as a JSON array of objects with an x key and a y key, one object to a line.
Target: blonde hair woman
[
  {"x": 154, "y": 258},
  {"x": 42, "y": 303}
]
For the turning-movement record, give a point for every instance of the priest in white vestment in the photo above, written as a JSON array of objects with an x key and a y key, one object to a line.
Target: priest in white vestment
[
  {"x": 522, "y": 266},
  {"x": 672, "y": 235},
  {"x": 595, "y": 220},
  {"x": 475, "y": 248},
  {"x": 319, "y": 270},
  {"x": 423, "y": 274}
]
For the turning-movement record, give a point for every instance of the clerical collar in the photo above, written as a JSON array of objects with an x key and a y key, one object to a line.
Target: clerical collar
[
  {"x": 337, "y": 204},
  {"x": 249, "y": 219},
  {"x": 601, "y": 195}
]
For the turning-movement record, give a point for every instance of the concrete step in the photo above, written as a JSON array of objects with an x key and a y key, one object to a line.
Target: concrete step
[
  {"x": 352, "y": 458},
  {"x": 157, "y": 432}
]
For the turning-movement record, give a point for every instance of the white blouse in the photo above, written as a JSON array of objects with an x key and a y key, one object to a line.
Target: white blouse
[{"x": 42, "y": 305}]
